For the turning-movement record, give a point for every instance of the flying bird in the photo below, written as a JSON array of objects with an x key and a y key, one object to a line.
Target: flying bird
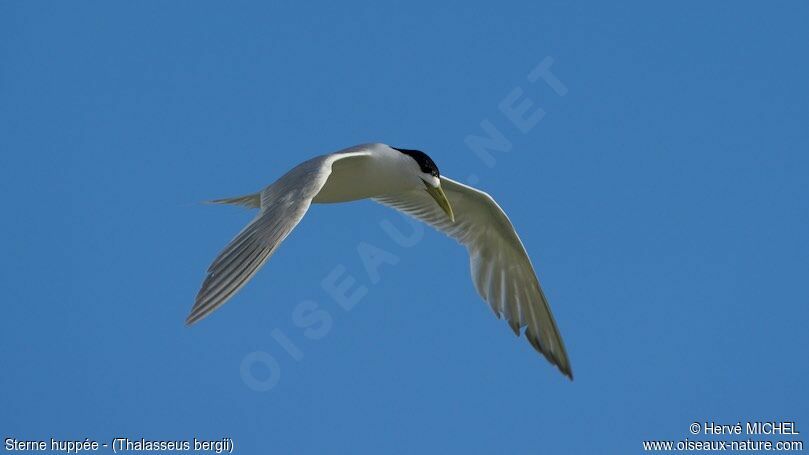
[{"x": 408, "y": 181}]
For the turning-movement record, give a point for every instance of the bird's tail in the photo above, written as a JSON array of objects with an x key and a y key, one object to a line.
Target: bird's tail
[{"x": 252, "y": 201}]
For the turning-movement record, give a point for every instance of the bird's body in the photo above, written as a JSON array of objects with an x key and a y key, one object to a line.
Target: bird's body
[
  {"x": 373, "y": 175},
  {"x": 409, "y": 181}
]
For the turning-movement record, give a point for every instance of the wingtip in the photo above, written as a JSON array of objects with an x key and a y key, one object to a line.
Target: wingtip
[
  {"x": 192, "y": 319},
  {"x": 564, "y": 367},
  {"x": 561, "y": 363},
  {"x": 567, "y": 373}
]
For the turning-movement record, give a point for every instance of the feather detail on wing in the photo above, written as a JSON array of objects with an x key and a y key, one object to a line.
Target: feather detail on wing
[
  {"x": 283, "y": 204},
  {"x": 501, "y": 270}
]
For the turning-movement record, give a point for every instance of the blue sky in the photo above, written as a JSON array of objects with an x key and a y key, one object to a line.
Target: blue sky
[{"x": 662, "y": 199}]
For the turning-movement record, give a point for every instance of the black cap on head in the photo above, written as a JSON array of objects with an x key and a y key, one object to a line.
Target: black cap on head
[{"x": 426, "y": 163}]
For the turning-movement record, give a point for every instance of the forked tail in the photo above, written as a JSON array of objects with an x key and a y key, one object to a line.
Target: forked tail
[{"x": 252, "y": 201}]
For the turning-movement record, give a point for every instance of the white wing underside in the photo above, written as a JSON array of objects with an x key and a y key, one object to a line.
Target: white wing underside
[
  {"x": 283, "y": 204},
  {"x": 501, "y": 270}
]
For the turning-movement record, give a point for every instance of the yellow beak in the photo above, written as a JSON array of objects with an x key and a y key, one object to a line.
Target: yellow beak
[{"x": 441, "y": 199}]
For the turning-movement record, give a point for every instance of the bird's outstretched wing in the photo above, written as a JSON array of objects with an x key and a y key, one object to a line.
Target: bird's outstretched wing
[
  {"x": 501, "y": 269},
  {"x": 283, "y": 204}
]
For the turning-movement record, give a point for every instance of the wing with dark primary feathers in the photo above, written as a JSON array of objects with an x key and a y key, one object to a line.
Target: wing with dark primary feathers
[
  {"x": 501, "y": 270},
  {"x": 282, "y": 205}
]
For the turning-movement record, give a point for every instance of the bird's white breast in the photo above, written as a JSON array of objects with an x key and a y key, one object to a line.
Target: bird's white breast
[{"x": 381, "y": 172}]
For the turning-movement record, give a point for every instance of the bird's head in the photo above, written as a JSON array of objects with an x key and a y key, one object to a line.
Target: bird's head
[{"x": 427, "y": 172}]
